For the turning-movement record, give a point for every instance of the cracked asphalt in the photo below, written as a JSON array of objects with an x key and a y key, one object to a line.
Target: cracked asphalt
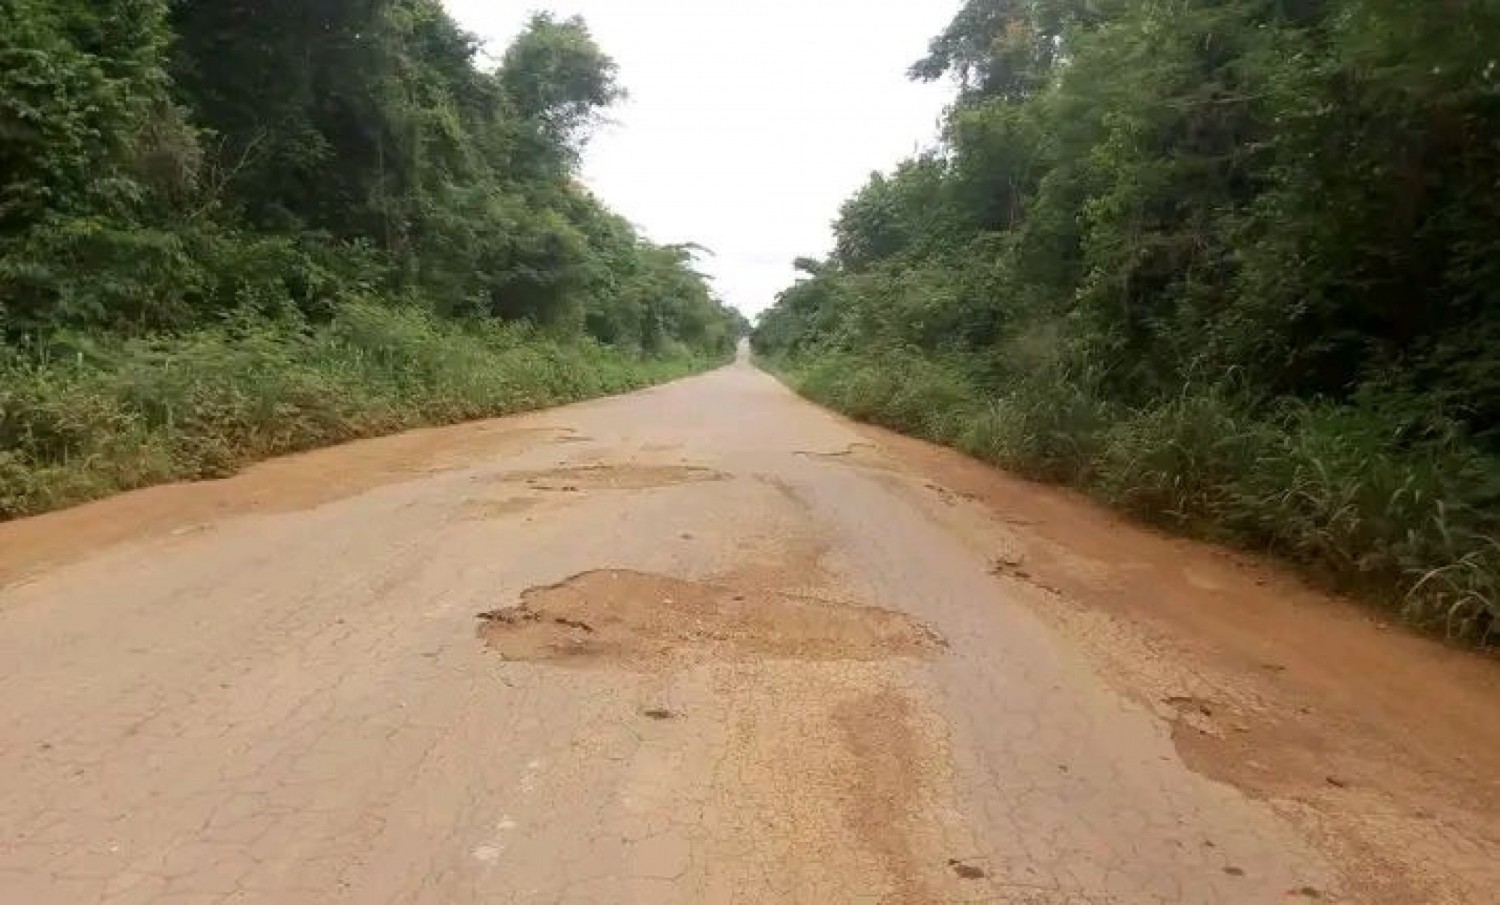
[{"x": 750, "y": 657}]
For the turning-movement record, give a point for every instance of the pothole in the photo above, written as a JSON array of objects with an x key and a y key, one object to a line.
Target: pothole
[
  {"x": 850, "y": 450},
  {"x": 1194, "y": 712},
  {"x": 484, "y": 510},
  {"x": 858, "y": 455},
  {"x": 643, "y": 620},
  {"x": 613, "y": 477},
  {"x": 965, "y": 870}
]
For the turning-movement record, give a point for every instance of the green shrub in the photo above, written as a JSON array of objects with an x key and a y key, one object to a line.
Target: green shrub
[
  {"x": 895, "y": 389},
  {"x": 1178, "y": 461}
]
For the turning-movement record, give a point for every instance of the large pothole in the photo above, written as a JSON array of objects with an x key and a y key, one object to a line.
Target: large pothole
[{"x": 644, "y": 620}]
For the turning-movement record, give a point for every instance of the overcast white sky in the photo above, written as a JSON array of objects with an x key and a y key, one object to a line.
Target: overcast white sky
[{"x": 748, "y": 122}]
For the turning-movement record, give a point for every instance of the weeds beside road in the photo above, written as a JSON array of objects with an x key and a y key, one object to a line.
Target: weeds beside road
[{"x": 80, "y": 421}]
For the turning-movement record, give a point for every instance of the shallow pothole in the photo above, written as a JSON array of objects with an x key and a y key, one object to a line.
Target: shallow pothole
[
  {"x": 484, "y": 510},
  {"x": 613, "y": 477},
  {"x": 866, "y": 454},
  {"x": 643, "y": 620},
  {"x": 965, "y": 870}
]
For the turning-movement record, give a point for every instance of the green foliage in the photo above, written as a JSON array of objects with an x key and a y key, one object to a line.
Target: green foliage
[
  {"x": 78, "y": 82},
  {"x": 141, "y": 143},
  {"x": 1231, "y": 263},
  {"x": 558, "y": 78}
]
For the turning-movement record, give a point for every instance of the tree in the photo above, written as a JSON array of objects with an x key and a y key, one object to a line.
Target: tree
[{"x": 559, "y": 81}]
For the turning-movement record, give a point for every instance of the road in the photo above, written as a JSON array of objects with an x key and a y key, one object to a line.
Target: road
[{"x": 705, "y": 643}]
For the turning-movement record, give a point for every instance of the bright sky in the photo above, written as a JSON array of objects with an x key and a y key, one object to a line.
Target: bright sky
[{"x": 748, "y": 122}]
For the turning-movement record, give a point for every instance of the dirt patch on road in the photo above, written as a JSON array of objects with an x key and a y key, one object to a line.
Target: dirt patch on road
[
  {"x": 556, "y": 483},
  {"x": 613, "y": 477},
  {"x": 286, "y": 484},
  {"x": 833, "y": 783},
  {"x": 489, "y": 510},
  {"x": 642, "y": 620},
  {"x": 885, "y": 795}
]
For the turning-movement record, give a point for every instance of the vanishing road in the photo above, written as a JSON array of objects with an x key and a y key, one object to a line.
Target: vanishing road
[{"x": 705, "y": 643}]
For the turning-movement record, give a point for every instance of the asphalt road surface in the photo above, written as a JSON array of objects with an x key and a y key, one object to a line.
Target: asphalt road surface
[{"x": 705, "y": 643}]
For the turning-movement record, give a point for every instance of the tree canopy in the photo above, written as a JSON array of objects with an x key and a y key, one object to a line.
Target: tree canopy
[
  {"x": 1298, "y": 193},
  {"x": 163, "y": 164}
]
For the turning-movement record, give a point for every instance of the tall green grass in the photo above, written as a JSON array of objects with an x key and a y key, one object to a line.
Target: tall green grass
[
  {"x": 85, "y": 417},
  {"x": 1406, "y": 518}
]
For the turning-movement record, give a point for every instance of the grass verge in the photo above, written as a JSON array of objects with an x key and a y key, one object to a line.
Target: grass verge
[{"x": 85, "y": 418}]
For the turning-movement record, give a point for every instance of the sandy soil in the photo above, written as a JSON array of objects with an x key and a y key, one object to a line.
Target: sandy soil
[{"x": 706, "y": 643}]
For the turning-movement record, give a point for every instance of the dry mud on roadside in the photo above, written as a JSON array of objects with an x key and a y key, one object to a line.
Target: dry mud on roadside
[
  {"x": 284, "y": 484},
  {"x": 1380, "y": 746}
]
